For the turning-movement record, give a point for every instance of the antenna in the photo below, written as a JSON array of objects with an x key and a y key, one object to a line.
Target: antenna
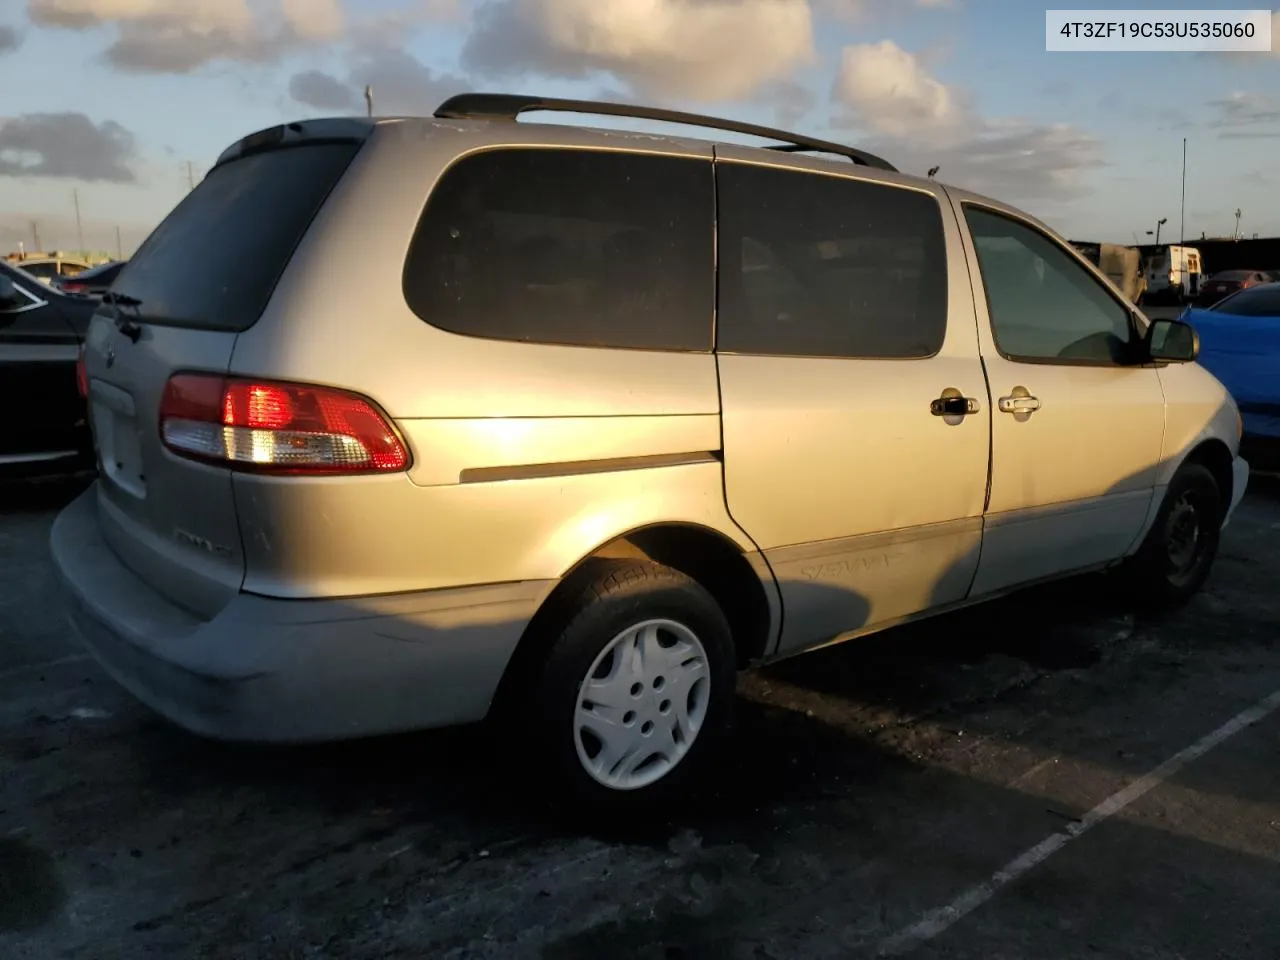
[
  {"x": 368, "y": 99},
  {"x": 1182, "y": 223},
  {"x": 933, "y": 172}
]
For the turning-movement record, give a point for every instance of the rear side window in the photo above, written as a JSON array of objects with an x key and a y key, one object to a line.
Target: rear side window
[
  {"x": 578, "y": 247},
  {"x": 215, "y": 260},
  {"x": 41, "y": 270},
  {"x": 823, "y": 266}
]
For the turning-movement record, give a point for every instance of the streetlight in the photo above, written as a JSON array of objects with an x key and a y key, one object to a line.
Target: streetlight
[{"x": 1159, "y": 223}]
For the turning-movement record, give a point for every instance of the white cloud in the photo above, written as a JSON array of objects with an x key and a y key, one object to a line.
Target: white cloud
[
  {"x": 915, "y": 121},
  {"x": 890, "y": 90},
  {"x": 167, "y": 36},
  {"x": 710, "y": 50},
  {"x": 852, "y": 11}
]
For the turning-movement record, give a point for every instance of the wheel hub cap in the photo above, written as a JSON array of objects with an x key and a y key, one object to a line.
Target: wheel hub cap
[{"x": 642, "y": 704}]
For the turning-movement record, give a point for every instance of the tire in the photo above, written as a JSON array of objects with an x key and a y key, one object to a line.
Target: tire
[
  {"x": 1178, "y": 553},
  {"x": 667, "y": 718}
]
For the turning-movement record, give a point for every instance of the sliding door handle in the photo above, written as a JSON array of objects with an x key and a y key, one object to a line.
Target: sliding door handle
[{"x": 1019, "y": 404}]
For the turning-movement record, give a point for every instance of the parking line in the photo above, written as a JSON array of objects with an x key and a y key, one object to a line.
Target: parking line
[
  {"x": 33, "y": 667},
  {"x": 938, "y": 921}
]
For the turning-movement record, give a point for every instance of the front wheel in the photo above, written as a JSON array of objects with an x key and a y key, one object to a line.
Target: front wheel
[
  {"x": 1175, "y": 559},
  {"x": 634, "y": 697}
]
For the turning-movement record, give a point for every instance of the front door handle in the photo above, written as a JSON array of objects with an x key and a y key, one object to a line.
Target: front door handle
[
  {"x": 1019, "y": 404},
  {"x": 949, "y": 405}
]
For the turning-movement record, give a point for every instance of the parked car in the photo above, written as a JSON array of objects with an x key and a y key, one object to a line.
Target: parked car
[
  {"x": 619, "y": 417},
  {"x": 49, "y": 269},
  {"x": 1240, "y": 344},
  {"x": 93, "y": 282},
  {"x": 46, "y": 430},
  {"x": 1226, "y": 282}
]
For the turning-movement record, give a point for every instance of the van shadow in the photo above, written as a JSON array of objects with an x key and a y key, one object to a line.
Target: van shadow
[
  {"x": 778, "y": 756},
  {"x": 813, "y": 838}
]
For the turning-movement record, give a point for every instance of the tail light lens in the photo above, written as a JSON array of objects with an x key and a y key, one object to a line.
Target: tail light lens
[
  {"x": 82, "y": 376},
  {"x": 74, "y": 288},
  {"x": 275, "y": 427}
]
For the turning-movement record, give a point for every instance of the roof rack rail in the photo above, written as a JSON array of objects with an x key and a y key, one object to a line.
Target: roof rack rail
[{"x": 509, "y": 106}]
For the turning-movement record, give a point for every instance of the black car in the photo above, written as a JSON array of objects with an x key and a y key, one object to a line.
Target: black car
[
  {"x": 93, "y": 282},
  {"x": 1226, "y": 282},
  {"x": 45, "y": 428}
]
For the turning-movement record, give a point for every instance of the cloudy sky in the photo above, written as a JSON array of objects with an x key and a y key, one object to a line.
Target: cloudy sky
[{"x": 110, "y": 100}]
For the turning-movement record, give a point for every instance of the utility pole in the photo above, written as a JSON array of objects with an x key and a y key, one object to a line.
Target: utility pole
[
  {"x": 191, "y": 178},
  {"x": 368, "y": 100},
  {"x": 35, "y": 234},
  {"x": 1236, "y": 235},
  {"x": 75, "y": 197},
  {"x": 1182, "y": 228},
  {"x": 119, "y": 248}
]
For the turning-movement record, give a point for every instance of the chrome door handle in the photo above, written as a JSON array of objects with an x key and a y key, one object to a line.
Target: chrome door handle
[
  {"x": 1022, "y": 404},
  {"x": 953, "y": 406}
]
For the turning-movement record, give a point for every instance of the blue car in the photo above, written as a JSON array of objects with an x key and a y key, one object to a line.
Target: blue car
[{"x": 1240, "y": 345}]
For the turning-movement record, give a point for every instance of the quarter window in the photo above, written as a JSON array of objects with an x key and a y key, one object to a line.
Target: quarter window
[
  {"x": 826, "y": 266},
  {"x": 1044, "y": 305},
  {"x": 579, "y": 247}
]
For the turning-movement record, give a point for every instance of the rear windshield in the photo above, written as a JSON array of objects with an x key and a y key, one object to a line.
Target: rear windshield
[
  {"x": 215, "y": 260},
  {"x": 105, "y": 270},
  {"x": 1233, "y": 275},
  {"x": 1263, "y": 301}
]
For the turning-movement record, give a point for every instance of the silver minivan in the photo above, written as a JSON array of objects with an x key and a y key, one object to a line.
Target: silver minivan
[{"x": 404, "y": 423}]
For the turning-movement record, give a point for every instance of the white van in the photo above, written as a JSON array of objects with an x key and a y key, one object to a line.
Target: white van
[{"x": 1174, "y": 273}]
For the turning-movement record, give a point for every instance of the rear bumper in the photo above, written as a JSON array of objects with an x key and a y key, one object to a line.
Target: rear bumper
[{"x": 269, "y": 670}]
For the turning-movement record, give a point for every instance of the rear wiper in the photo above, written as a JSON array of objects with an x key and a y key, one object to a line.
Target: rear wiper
[{"x": 126, "y": 326}]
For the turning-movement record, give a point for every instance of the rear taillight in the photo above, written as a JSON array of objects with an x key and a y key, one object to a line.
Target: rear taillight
[
  {"x": 74, "y": 288},
  {"x": 82, "y": 375},
  {"x": 277, "y": 427}
]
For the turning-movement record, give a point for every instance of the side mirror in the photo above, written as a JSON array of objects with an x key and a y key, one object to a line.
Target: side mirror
[
  {"x": 1172, "y": 341},
  {"x": 9, "y": 296}
]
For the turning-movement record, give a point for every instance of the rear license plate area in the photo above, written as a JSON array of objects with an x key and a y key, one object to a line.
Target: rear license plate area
[{"x": 115, "y": 426}]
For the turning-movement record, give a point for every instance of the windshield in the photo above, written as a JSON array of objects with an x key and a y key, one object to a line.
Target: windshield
[
  {"x": 1261, "y": 301},
  {"x": 215, "y": 260}
]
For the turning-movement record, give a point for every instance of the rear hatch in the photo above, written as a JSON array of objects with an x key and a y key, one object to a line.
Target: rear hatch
[{"x": 202, "y": 277}]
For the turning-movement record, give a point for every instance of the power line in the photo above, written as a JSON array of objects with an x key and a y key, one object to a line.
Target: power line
[{"x": 75, "y": 197}]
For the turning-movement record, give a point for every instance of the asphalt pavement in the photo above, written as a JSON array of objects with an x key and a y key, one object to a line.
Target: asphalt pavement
[{"x": 1043, "y": 777}]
